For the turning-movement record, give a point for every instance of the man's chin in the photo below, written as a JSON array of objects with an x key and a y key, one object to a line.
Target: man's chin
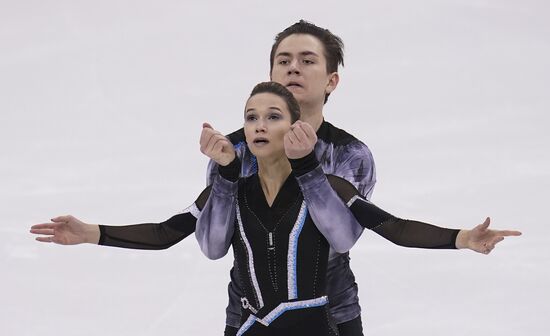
[
  {"x": 295, "y": 89},
  {"x": 299, "y": 94},
  {"x": 300, "y": 98}
]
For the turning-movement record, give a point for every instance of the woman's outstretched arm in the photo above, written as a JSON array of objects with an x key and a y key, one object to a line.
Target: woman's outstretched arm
[
  {"x": 411, "y": 233},
  {"x": 68, "y": 230}
]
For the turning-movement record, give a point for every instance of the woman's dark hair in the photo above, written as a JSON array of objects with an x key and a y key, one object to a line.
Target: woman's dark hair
[{"x": 281, "y": 91}]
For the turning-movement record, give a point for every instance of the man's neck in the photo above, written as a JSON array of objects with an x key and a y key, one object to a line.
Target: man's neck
[{"x": 314, "y": 117}]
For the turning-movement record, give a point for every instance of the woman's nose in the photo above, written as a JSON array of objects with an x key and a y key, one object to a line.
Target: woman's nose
[{"x": 260, "y": 126}]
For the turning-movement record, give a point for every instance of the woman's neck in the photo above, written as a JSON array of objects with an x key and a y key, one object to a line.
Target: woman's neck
[{"x": 272, "y": 174}]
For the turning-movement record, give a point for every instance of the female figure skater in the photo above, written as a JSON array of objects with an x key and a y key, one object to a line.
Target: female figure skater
[{"x": 279, "y": 229}]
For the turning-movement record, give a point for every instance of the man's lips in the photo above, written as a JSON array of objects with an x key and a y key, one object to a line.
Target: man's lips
[{"x": 293, "y": 84}]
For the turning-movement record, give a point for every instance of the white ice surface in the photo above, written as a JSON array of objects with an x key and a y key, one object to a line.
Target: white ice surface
[{"x": 101, "y": 105}]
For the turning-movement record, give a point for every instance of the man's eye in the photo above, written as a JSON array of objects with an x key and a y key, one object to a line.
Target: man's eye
[
  {"x": 306, "y": 61},
  {"x": 283, "y": 62}
]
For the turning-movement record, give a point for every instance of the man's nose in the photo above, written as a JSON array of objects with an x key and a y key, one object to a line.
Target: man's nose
[{"x": 294, "y": 68}]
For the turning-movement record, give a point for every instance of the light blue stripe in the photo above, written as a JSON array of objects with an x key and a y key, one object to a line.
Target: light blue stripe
[
  {"x": 286, "y": 306},
  {"x": 246, "y": 325},
  {"x": 293, "y": 252},
  {"x": 279, "y": 310}
]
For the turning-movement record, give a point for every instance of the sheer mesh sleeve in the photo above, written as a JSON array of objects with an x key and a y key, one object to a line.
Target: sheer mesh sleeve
[
  {"x": 402, "y": 232},
  {"x": 155, "y": 236}
]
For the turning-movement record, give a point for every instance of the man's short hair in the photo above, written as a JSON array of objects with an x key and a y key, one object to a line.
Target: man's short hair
[
  {"x": 333, "y": 45},
  {"x": 281, "y": 91}
]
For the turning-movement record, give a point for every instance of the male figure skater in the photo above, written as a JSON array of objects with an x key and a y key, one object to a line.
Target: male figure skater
[{"x": 305, "y": 59}]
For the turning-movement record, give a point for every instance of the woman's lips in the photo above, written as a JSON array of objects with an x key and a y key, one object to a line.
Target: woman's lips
[{"x": 260, "y": 142}]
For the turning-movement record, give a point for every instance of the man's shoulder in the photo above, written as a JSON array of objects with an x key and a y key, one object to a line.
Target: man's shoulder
[
  {"x": 237, "y": 137},
  {"x": 336, "y": 136}
]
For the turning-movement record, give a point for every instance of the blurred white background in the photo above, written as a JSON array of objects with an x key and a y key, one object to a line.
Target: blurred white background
[{"x": 101, "y": 105}]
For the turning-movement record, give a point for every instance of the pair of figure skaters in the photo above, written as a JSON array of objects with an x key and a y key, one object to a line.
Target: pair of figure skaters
[{"x": 289, "y": 192}]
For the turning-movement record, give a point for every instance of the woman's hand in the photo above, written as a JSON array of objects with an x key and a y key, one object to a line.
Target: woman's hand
[
  {"x": 66, "y": 230},
  {"x": 216, "y": 146},
  {"x": 300, "y": 140},
  {"x": 482, "y": 239}
]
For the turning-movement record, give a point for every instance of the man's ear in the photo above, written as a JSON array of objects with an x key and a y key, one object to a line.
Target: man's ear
[{"x": 333, "y": 80}]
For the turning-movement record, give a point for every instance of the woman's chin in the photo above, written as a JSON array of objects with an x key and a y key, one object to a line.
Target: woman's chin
[
  {"x": 262, "y": 152},
  {"x": 267, "y": 152}
]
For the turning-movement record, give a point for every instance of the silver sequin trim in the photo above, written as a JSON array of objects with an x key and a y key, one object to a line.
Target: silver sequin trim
[
  {"x": 193, "y": 210},
  {"x": 354, "y": 198},
  {"x": 279, "y": 310},
  {"x": 250, "y": 260}
]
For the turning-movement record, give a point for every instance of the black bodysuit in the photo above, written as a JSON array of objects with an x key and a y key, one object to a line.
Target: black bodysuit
[{"x": 281, "y": 254}]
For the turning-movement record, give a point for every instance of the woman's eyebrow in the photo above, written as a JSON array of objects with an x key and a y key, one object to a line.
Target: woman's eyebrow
[{"x": 276, "y": 108}]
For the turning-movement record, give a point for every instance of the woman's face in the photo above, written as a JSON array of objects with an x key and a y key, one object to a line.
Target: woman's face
[{"x": 266, "y": 121}]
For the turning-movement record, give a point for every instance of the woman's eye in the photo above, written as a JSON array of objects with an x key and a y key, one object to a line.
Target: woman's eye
[
  {"x": 275, "y": 117},
  {"x": 250, "y": 117}
]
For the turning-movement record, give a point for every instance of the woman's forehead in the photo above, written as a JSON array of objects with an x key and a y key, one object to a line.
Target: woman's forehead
[{"x": 265, "y": 101}]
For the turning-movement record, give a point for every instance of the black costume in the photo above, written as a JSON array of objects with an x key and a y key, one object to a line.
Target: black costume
[
  {"x": 281, "y": 253},
  {"x": 340, "y": 154}
]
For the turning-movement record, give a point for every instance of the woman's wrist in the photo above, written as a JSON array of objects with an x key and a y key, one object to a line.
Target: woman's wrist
[
  {"x": 462, "y": 239},
  {"x": 92, "y": 234},
  {"x": 231, "y": 171},
  {"x": 305, "y": 164}
]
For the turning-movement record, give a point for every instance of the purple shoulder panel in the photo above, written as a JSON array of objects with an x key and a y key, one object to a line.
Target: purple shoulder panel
[{"x": 352, "y": 162}]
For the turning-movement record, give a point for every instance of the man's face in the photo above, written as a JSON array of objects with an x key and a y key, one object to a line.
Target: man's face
[{"x": 300, "y": 65}]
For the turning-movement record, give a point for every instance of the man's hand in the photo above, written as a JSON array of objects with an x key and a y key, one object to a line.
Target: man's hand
[{"x": 216, "y": 146}]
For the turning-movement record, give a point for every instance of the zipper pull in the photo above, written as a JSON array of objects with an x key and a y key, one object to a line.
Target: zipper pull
[{"x": 270, "y": 238}]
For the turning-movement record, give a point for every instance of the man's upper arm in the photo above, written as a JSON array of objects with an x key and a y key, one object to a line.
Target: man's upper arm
[{"x": 356, "y": 165}]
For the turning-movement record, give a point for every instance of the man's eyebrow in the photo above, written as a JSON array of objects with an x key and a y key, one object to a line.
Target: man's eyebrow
[
  {"x": 302, "y": 53},
  {"x": 283, "y": 53},
  {"x": 308, "y": 53}
]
